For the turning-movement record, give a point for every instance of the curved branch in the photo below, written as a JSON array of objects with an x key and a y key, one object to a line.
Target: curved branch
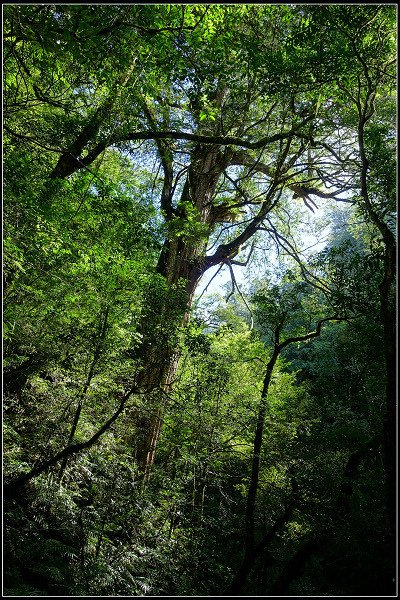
[
  {"x": 225, "y": 251},
  {"x": 12, "y": 486},
  {"x": 313, "y": 334},
  {"x": 234, "y": 284},
  {"x": 293, "y": 252},
  {"x": 211, "y": 139}
]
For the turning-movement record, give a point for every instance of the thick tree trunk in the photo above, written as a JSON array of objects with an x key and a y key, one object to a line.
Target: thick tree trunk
[
  {"x": 180, "y": 260},
  {"x": 149, "y": 425}
]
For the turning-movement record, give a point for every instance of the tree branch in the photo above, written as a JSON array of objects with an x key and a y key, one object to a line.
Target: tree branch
[
  {"x": 234, "y": 284},
  {"x": 12, "y": 486},
  {"x": 313, "y": 334},
  {"x": 210, "y": 139}
]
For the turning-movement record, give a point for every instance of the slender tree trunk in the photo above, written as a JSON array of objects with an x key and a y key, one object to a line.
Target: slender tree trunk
[
  {"x": 250, "y": 551},
  {"x": 255, "y": 469},
  {"x": 387, "y": 319},
  {"x": 90, "y": 375}
]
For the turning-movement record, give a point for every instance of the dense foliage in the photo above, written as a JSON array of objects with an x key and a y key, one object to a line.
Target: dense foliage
[{"x": 159, "y": 441}]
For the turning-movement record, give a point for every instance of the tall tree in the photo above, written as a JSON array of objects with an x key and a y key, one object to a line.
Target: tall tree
[{"x": 237, "y": 101}]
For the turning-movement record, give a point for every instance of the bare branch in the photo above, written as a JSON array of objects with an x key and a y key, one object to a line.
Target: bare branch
[
  {"x": 313, "y": 334},
  {"x": 234, "y": 284}
]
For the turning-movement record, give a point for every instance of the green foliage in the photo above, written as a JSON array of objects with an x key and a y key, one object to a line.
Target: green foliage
[
  {"x": 97, "y": 279},
  {"x": 290, "y": 306},
  {"x": 188, "y": 226}
]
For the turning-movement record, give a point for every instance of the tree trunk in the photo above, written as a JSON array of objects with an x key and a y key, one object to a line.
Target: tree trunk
[
  {"x": 255, "y": 470},
  {"x": 180, "y": 260},
  {"x": 388, "y": 319},
  {"x": 96, "y": 355},
  {"x": 250, "y": 550}
]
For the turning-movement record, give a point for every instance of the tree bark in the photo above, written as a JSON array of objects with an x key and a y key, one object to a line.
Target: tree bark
[
  {"x": 180, "y": 260},
  {"x": 255, "y": 469},
  {"x": 387, "y": 313}
]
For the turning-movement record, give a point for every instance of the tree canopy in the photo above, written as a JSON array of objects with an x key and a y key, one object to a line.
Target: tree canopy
[{"x": 162, "y": 438}]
